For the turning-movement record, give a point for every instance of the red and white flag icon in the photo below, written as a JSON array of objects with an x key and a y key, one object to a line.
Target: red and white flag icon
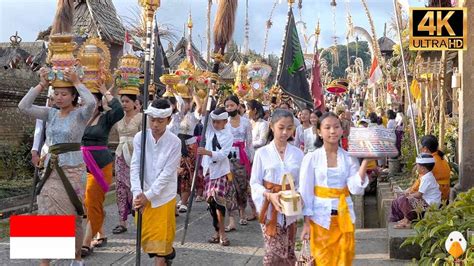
[
  {"x": 375, "y": 74},
  {"x": 42, "y": 237}
]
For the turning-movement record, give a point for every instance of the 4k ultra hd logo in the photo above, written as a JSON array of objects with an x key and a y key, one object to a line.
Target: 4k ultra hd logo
[{"x": 438, "y": 29}]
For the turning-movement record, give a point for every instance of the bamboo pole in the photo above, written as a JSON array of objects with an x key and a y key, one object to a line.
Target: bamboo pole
[
  {"x": 208, "y": 31},
  {"x": 442, "y": 102},
  {"x": 397, "y": 13},
  {"x": 149, "y": 8}
]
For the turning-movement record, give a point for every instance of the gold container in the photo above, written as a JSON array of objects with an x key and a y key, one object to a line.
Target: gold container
[
  {"x": 170, "y": 79},
  {"x": 130, "y": 61},
  {"x": 182, "y": 91},
  {"x": 90, "y": 59},
  {"x": 60, "y": 55},
  {"x": 129, "y": 70},
  {"x": 94, "y": 56}
]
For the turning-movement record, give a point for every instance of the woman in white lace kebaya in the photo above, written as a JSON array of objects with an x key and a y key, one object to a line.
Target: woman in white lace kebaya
[{"x": 62, "y": 189}]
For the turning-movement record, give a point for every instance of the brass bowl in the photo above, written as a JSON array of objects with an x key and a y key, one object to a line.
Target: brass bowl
[{"x": 170, "y": 79}]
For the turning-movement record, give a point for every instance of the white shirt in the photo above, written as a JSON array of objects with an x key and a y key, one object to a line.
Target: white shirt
[
  {"x": 299, "y": 136},
  {"x": 162, "y": 160},
  {"x": 430, "y": 189},
  {"x": 260, "y": 133},
  {"x": 218, "y": 165},
  {"x": 183, "y": 123},
  {"x": 314, "y": 172},
  {"x": 309, "y": 140},
  {"x": 268, "y": 166},
  {"x": 243, "y": 133},
  {"x": 296, "y": 121},
  {"x": 37, "y": 139},
  {"x": 391, "y": 124}
]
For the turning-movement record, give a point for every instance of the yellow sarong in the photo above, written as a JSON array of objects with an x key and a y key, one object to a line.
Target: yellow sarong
[
  {"x": 158, "y": 228},
  {"x": 94, "y": 199},
  {"x": 335, "y": 246}
]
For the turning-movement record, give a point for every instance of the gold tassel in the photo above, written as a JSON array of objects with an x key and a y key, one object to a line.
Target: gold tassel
[
  {"x": 63, "y": 18},
  {"x": 224, "y": 24}
]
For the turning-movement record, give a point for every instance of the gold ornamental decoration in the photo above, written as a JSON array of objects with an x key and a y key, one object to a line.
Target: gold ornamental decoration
[
  {"x": 169, "y": 80},
  {"x": 186, "y": 71},
  {"x": 241, "y": 86},
  {"x": 94, "y": 56},
  {"x": 128, "y": 72},
  {"x": 60, "y": 55}
]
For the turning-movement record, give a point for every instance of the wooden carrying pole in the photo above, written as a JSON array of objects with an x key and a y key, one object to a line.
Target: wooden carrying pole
[
  {"x": 405, "y": 74},
  {"x": 223, "y": 30},
  {"x": 149, "y": 8}
]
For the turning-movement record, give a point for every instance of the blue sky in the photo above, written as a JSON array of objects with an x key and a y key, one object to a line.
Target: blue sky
[{"x": 30, "y": 16}]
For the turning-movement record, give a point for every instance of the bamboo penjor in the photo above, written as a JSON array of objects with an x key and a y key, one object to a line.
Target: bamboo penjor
[
  {"x": 223, "y": 29},
  {"x": 224, "y": 25},
  {"x": 63, "y": 18}
]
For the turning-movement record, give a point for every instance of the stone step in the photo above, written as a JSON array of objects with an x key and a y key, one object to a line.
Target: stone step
[{"x": 372, "y": 248}]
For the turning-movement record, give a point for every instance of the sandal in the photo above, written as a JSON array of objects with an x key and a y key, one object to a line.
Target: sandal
[
  {"x": 229, "y": 229},
  {"x": 243, "y": 222},
  {"x": 183, "y": 208},
  {"x": 119, "y": 229},
  {"x": 224, "y": 242},
  {"x": 86, "y": 251},
  {"x": 100, "y": 242},
  {"x": 214, "y": 240}
]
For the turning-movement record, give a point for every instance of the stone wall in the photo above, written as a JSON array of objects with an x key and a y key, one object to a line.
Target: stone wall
[{"x": 14, "y": 84}]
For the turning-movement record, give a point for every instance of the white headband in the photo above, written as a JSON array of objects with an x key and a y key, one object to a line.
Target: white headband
[
  {"x": 421, "y": 160},
  {"x": 158, "y": 113},
  {"x": 222, "y": 116}
]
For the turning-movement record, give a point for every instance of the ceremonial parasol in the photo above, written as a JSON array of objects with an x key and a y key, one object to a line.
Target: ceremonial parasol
[{"x": 338, "y": 86}]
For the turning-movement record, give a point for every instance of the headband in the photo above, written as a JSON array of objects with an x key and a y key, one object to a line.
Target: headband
[
  {"x": 158, "y": 113},
  {"x": 420, "y": 160},
  {"x": 222, "y": 116}
]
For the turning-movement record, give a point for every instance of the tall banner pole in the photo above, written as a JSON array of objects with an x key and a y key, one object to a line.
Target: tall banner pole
[
  {"x": 223, "y": 29},
  {"x": 149, "y": 8},
  {"x": 410, "y": 109}
]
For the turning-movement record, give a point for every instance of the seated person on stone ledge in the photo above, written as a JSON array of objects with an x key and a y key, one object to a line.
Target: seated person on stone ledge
[
  {"x": 407, "y": 206},
  {"x": 441, "y": 170}
]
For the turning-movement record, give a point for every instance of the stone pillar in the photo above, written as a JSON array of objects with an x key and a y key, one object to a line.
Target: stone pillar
[{"x": 466, "y": 108}]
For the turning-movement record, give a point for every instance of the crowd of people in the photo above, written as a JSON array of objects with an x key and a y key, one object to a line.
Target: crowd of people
[{"x": 248, "y": 149}]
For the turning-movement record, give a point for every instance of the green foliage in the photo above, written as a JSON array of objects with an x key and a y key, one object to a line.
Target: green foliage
[
  {"x": 362, "y": 50},
  {"x": 11, "y": 188},
  {"x": 433, "y": 230},
  {"x": 452, "y": 127},
  {"x": 16, "y": 170},
  {"x": 15, "y": 161}
]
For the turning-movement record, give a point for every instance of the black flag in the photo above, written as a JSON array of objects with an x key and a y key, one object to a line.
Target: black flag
[
  {"x": 160, "y": 62},
  {"x": 292, "y": 70}
]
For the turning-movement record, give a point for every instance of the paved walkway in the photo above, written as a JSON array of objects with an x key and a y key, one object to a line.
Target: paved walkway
[{"x": 246, "y": 245}]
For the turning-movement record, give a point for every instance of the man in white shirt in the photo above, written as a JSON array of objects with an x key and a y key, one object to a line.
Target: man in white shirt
[{"x": 157, "y": 199}]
